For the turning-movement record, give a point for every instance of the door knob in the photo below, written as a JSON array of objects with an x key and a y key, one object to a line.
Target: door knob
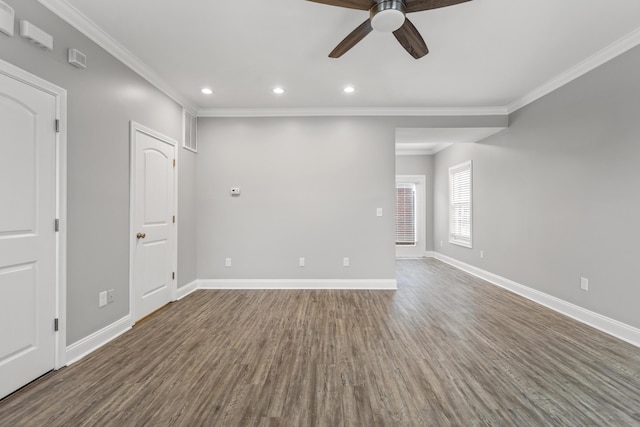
[{"x": 141, "y": 235}]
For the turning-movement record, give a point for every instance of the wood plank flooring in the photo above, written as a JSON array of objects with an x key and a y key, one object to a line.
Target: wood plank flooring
[{"x": 445, "y": 349}]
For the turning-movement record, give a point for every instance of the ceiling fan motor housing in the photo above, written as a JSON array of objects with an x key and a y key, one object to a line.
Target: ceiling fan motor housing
[{"x": 388, "y": 15}]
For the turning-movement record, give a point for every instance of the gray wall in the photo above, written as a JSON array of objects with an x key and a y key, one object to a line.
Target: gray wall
[
  {"x": 310, "y": 188},
  {"x": 187, "y": 218},
  {"x": 101, "y": 101},
  {"x": 556, "y": 195},
  {"x": 421, "y": 165}
]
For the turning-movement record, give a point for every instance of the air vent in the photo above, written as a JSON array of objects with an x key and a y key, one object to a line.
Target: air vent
[
  {"x": 6, "y": 19},
  {"x": 77, "y": 58}
]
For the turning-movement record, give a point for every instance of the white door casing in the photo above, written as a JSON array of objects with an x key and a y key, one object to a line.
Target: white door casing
[
  {"x": 419, "y": 249},
  {"x": 31, "y": 252},
  {"x": 153, "y": 237}
]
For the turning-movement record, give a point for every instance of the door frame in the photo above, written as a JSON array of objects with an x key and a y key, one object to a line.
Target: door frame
[
  {"x": 421, "y": 217},
  {"x": 60, "y": 95},
  {"x": 135, "y": 127}
]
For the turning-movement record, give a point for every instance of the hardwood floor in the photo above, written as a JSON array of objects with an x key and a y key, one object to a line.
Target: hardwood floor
[{"x": 445, "y": 349}]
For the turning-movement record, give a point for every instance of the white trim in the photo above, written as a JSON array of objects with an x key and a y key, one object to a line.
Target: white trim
[
  {"x": 91, "y": 343},
  {"x": 185, "y": 290},
  {"x": 421, "y": 151},
  {"x": 429, "y": 254},
  {"x": 388, "y": 284},
  {"x": 605, "y": 324},
  {"x": 133, "y": 128},
  {"x": 60, "y": 95},
  {"x": 615, "y": 49},
  {"x": 354, "y": 112},
  {"x": 91, "y": 30}
]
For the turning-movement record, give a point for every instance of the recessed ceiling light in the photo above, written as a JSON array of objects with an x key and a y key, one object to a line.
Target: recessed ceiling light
[
  {"x": 349, "y": 89},
  {"x": 206, "y": 91},
  {"x": 278, "y": 90}
]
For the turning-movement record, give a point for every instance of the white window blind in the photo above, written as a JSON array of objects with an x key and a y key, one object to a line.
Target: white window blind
[
  {"x": 405, "y": 214},
  {"x": 190, "y": 132},
  {"x": 460, "y": 208}
]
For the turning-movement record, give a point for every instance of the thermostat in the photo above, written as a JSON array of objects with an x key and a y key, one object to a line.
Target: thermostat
[
  {"x": 77, "y": 58},
  {"x": 235, "y": 191}
]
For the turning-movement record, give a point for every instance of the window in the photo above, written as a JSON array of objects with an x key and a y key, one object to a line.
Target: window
[
  {"x": 460, "y": 218},
  {"x": 405, "y": 213},
  {"x": 190, "y": 132}
]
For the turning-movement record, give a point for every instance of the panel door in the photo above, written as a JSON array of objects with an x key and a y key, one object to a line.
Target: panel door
[
  {"x": 27, "y": 236},
  {"x": 153, "y": 223}
]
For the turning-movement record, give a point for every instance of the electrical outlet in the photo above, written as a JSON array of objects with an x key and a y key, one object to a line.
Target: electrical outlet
[
  {"x": 102, "y": 299},
  {"x": 345, "y": 262},
  {"x": 227, "y": 262},
  {"x": 481, "y": 254},
  {"x": 584, "y": 283},
  {"x": 441, "y": 243},
  {"x": 301, "y": 262},
  {"x": 110, "y": 296},
  {"x": 379, "y": 211}
]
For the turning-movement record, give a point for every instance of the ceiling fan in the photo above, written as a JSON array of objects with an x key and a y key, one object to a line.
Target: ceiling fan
[{"x": 388, "y": 16}]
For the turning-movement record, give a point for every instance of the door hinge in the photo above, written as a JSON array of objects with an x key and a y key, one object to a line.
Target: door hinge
[
  {"x": 174, "y": 219},
  {"x": 57, "y": 126},
  {"x": 56, "y": 325},
  {"x": 174, "y": 163},
  {"x": 56, "y": 225},
  {"x": 173, "y": 275}
]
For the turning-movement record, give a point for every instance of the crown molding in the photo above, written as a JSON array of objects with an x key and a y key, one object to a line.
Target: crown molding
[
  {"x": 91, "y": 30},
  {"x": 351, "y": 112},
  {"x": 421, "y": 152},
  {"x": 615, "y": 49}
]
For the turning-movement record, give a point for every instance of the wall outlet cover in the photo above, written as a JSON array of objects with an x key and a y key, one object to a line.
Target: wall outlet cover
[{"x": 102, "y": 299}]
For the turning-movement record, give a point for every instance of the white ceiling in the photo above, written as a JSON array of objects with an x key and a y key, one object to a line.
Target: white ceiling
[{"x": 484, "y": 53}]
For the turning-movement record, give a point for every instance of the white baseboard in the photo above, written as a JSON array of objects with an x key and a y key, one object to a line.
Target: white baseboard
[
  {"x": 378, "y": 284},
  {"x": 185, "y": 290},
  {"x": 80, "y": 349},
  {"x": 605, "y": 324},
  {"x": 429, "y": 254}
]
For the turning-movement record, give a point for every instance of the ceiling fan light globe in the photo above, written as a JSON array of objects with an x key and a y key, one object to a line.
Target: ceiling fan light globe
[{"x": 387, "y": 21}]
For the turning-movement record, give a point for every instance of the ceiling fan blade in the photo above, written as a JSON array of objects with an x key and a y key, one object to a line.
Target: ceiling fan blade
[
  {"x": 411, "y": 40},
  {"x": 351, "y": 4},
  {"x": 420, "y": 5},
  {"x": 352, "y": 39}
]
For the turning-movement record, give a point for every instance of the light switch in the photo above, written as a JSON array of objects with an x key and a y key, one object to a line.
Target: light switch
[{"x": 379, "y": 212}]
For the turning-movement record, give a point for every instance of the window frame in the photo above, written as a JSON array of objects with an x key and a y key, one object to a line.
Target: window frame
[
  {"x": 418, "y": 250},
  {"x": 454, "y": 238},
  {"x": 190, "y": 122},
  {"x": 415, "y": 219}
]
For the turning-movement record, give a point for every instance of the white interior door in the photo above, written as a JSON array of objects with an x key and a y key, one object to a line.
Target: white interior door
[
  {"x": 153, "y": 281},
  {"x": 27, "y": 235}
]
